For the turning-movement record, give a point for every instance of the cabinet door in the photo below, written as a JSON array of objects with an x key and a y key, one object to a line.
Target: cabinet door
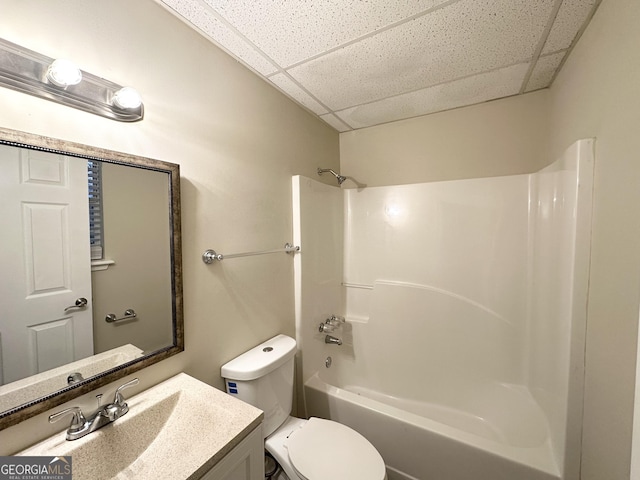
[{"x": 244, "y": 462}]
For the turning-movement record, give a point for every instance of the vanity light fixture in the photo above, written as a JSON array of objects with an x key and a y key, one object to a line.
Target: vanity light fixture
[{"x": 63, "y": 82}]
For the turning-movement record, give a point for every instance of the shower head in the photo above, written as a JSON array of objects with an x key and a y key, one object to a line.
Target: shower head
[{"x": 339, "y": 177}]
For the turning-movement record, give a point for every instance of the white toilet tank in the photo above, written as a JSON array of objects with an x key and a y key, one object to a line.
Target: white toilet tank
[{"x": 263, "y": 377}]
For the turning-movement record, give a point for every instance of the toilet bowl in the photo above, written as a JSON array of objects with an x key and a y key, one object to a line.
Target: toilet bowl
[{"x": 314, "y": 449}]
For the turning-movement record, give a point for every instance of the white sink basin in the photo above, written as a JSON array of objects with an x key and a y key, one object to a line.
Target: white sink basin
[{"x": 177, "y": 429}]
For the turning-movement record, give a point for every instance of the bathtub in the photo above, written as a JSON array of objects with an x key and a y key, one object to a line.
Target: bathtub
[{"x": 501, "y": 434}]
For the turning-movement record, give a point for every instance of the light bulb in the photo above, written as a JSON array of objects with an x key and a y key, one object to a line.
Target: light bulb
[
  {"x": 127, "y": 98},
  {"x": 63, "y": 73}
]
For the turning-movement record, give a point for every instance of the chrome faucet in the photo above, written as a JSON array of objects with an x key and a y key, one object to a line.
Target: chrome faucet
[
  {"x": 80, "y": 426},
  {"x": 330, "y": 324},
  {"x": 332, "y": 340}
]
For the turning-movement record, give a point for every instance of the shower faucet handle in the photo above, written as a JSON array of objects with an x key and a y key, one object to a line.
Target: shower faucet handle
[
  {"x": 335, "y": 320},
  {"x": 325, "y": 327}
]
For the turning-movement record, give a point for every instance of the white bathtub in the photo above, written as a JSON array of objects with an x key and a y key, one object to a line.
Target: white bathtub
[{"x": 500, "y": 435}]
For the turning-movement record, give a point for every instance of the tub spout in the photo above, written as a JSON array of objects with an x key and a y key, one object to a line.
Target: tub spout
[{"x": 332, "y": 340}]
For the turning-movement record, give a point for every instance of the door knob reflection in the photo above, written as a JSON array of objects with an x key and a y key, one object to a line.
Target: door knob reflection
[{"x": 80, "y": 303}]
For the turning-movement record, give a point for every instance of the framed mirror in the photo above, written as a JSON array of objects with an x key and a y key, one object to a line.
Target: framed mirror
[{"x": 90, "y": 269}]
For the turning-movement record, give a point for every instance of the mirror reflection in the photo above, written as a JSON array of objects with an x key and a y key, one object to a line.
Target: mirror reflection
[{"x": 87, "y": 272}]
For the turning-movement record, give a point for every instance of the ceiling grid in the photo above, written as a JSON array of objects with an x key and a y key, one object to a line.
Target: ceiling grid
[{"x": 357, "y": 63}]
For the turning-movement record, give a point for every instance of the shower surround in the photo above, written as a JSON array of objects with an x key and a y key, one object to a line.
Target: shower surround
[{"x": 465, "y": 304}]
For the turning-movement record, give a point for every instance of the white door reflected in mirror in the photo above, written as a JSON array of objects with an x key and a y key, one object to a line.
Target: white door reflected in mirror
[{"x": 42, "y": 325}]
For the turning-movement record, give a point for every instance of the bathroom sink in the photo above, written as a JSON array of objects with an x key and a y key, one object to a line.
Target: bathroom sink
[{"x": 177, "y": 429}]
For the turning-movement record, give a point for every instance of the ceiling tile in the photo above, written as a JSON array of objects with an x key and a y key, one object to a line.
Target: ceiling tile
[
  {"x": 544, "y": 71},
  {"x": 353, "y": 61},
  {"x": 206, "y": 21},
  {"x": 335, "y": 122},
  {"x": 468, "y": 91},
  {"x": 292, "y": 89},
  {"x": 570, "y": 18},
  {"x": 465, "y": 38},
  {"x": 292, "y": 31}
]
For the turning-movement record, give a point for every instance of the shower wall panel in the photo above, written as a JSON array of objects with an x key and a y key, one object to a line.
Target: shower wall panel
[{"x": 467, "y": 238}]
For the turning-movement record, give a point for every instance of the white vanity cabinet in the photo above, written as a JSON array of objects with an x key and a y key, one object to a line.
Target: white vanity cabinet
[{"x": 244, "y": 462}]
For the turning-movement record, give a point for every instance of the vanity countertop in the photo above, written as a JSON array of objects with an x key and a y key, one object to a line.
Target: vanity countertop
[{"x": 178, "y": 429}]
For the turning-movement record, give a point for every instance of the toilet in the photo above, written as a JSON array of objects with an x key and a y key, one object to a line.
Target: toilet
[{"x": 314, "y": 449}]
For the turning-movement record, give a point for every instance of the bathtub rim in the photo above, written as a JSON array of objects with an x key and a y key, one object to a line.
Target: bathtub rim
[{"x": 539, "y": 458}]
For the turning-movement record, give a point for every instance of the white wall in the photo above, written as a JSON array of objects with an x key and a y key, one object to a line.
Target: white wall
[
  {"x": 466, "y": 237},
  {"x": 447, "y": 262},
  {"x": 319, "y": 231},
  {"x": 238, "y": 142},
  {"x": 560, "y": 209}
]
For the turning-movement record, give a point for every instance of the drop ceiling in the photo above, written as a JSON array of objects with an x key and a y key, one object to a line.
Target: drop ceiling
[{"x": 359, "y": 63}]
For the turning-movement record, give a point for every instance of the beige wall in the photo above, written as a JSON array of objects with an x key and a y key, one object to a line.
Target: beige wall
[
  {"x": 597, "y": 94},
  {"x": 504, "y": 137},
  {"x": 237, "y": 140}
]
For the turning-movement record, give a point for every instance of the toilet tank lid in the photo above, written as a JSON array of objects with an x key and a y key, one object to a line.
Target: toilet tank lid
[{"x": 260, "y": 360}]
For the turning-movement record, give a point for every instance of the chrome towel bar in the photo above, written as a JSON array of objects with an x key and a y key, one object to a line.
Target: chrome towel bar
[
  {"x": 209, "y": 256},
  {"x": 128, "y": 315}
]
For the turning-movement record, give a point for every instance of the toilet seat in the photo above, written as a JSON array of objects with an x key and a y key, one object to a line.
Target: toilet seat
[{"x": 324, "y": 449}]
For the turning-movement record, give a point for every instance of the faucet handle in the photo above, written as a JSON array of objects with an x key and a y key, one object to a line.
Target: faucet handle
[
  {"x": 325, "y": 327},
  {"x": 118, "y": 399},
  {"x": 335, "y": 320},
  {"x": 78, "y": 421}
]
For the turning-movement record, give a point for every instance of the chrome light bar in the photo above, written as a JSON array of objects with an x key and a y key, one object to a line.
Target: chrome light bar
[{"x": 29, "y": 72}]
